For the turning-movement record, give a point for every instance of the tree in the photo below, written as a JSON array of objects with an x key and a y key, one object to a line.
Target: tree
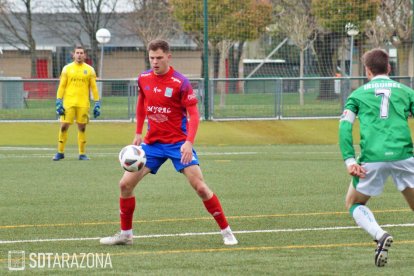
[
  {"x": 332, "y": 16},
  {"x": 16, "y": 19},
  {"x": 393, "y": 25},
  {"x": 189, "y": 14},
  {"x": 231, "y": 22},
  {"x": 247, "y": 23},
  {"x": 76, "y": 17},
  {"x": 149, "y": 20},
  {"x": 92, "y": 13},
  {"x": 294, "y": 20}
]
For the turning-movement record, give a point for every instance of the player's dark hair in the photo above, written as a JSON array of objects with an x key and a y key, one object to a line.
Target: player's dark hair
[
  {"x": 377, "y": 61},
  {"x": 79, "y": 47},
  {"x": 159, "y": 44}
]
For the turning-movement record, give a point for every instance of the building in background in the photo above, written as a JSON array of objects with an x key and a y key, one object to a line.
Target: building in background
[{"x": 123, "y": 55}]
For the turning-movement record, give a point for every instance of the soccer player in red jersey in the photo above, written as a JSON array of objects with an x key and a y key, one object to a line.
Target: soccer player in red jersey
[{"x": 169, "y": 103}]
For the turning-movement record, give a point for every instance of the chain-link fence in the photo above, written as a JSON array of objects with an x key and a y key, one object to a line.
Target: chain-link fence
[
  {"x": 22, "y": 99},
  {"x": 278, "y": 98},
  {"x": 228, "y": 99}
]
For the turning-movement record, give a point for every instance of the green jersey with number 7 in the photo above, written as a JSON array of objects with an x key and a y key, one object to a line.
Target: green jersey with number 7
[{"x": 383, "y": 107}]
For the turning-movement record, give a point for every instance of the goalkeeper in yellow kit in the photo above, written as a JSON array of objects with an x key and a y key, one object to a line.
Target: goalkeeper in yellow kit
[{"x": 77, "y": 80}]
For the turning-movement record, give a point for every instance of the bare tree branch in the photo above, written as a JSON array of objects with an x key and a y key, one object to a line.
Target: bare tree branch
[
  {"x": 392, "y": 23},
  {"x": 18, "y": 26},
  {"x": 76, "y": 22},
  {"x": 149, "y": 20}
]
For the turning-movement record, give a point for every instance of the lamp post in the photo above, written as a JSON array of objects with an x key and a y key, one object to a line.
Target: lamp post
[
  {"x": 102, "y": 36},
  {"x": 351, "y": 30}
]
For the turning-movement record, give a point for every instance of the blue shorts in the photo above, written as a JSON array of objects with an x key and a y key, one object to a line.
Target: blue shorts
[{"x": 158, "y": 153}]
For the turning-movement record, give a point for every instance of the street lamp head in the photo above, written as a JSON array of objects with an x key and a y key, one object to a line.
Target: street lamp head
[
  {"x": 103, "y": 36},
  {"x": 351, "y": 29}
]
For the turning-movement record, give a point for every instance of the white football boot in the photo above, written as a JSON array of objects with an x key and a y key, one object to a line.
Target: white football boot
[
  {"x": 228, "y": 237},
  {"x": 117, "y": 239}
]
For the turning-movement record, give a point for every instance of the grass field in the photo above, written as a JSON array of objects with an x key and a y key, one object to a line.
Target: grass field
[
  {"x": 283, "y": 200},
  {"x": 210, "y": 133}
]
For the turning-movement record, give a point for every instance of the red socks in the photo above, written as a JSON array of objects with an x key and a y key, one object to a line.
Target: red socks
[
  {"x": 126, "y": 210},
  {"x": 213, "y": 206},
  {"x": 127, "y": 207}
]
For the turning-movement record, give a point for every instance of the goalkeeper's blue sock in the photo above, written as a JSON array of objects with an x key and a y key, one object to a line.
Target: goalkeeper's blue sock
[{"x": 366, "y": 220}]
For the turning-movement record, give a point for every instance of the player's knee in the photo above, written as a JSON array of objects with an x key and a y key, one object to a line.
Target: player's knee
[
  {"x": 350, "y": 203},
  {"x": 64, "y": 128},
  {"x": 203, "y": 191},
  {"x": 125, "y": 187}
]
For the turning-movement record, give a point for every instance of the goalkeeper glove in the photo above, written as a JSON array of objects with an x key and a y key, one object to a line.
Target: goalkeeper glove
[
  {"x": 60, "y": 110},
  {"x": 97, "y": 109}
]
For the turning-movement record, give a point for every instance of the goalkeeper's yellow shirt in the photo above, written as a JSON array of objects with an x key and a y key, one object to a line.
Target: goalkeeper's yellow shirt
[{"x": 76, "y": 82}]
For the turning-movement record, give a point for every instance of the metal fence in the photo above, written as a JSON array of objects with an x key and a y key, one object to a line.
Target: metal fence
[
  {"x": 228, "y": 99},
  {"x": 279, "y": 98}
]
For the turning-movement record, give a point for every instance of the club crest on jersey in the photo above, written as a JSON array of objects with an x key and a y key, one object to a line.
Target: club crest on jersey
[
  {"x": 85, "y": 72},
  {"x": 168, "y": 92}
]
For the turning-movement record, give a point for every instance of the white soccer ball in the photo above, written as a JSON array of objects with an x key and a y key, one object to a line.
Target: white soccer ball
[{"x": 132, "y": 158}]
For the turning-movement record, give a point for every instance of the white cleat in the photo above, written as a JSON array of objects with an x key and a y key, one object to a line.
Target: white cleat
[
  {"x": 228, "y": 237},
  {"x": 117, "y": 239}
]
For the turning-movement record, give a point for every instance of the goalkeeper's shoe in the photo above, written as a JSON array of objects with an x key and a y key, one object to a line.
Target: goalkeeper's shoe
[
  {"x": 117, "y": 239},
  {"x": 83, "y": 157},
  {"x": 58, "y": 156},
  {"x": 381, "y": 253},
  {"x": 228, "y": 237}
]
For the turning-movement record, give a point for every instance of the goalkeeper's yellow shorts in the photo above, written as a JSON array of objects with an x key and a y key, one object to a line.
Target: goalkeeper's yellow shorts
[{"x": 72, "y": 113}]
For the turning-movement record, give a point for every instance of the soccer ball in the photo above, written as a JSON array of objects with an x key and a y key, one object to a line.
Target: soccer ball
[{"x": 132, "y": 158}]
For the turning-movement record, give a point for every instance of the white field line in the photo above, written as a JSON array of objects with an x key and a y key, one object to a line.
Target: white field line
[
  {"x": 107, "y": 153},
  {"x": 94, "y": 153},
  {"x": 208, "y": 233},
  {"x": 39, "y": 155},
  {"x": 26, "y": 148}
]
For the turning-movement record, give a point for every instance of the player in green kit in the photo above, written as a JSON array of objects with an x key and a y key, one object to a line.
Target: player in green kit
[{"x": 383, "y": 107}]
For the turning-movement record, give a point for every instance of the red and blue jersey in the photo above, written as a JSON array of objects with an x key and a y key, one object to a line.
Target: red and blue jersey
[{"x": 165, "y": 101}]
